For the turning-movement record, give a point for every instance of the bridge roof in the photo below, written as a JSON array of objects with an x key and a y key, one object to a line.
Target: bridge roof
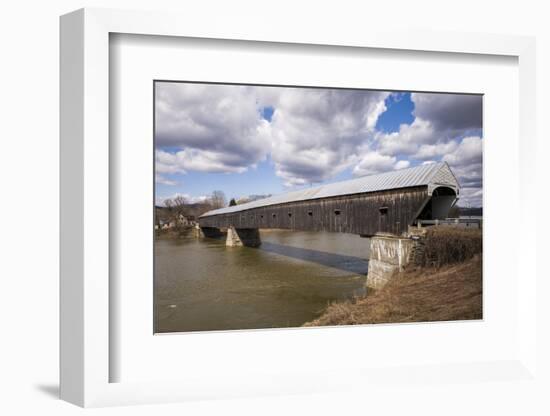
[{"x": 431, "y": 175}]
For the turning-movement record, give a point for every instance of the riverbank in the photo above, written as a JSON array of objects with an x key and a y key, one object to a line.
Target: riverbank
[
  {"x": 174, "y": 233},
  {"x": 452, "y": 292}
]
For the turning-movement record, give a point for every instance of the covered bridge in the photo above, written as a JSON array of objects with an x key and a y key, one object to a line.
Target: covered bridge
[{"x": 388, "y": 202}]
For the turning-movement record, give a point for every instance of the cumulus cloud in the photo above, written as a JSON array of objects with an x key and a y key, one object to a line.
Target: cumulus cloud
[
  {"x": 218, "y": 127},
  {"x": 430, "y": 151},
  {"x": 407, "y": 139},
  {"x": 471, "y": 197},
  {"x": 197, "y": 160},
  {"x": 466, "y": 162},
  {"x": 449, "y": 112},
  {"x": 468, "y": 152},
  {"x": 164, "y": 181},
  {"x": 374, "y": 162},
  {"x": 312, "y": 134},
  {"x": 401, "y": 164},
  {"x": 470, "y": 175},
  {"x": 317, "y": 133},
  {"x": 439, "y": 120}
]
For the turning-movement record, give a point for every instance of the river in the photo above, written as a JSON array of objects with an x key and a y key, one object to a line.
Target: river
[{"x": 202, "y": 285}]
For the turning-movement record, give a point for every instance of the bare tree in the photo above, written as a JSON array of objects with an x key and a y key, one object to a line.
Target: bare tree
[
  {"x": 218, "y": 199},
  {"x": 179, "y": 203},
  {"x": 168, "y": 203}
]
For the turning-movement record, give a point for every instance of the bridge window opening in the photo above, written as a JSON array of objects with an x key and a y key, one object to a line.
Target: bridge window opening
[
  {"x": 310, "y": 213},
  {"x": 337, "y": 212},
  {"x": 274, "y": 215},
  {"x": 261, "y": 216},
  {"x": 289, "y": 214},
  {"x": 383, "y": 211}
]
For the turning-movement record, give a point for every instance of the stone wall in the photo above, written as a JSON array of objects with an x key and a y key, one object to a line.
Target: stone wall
[{"x": 388, "y": 255}]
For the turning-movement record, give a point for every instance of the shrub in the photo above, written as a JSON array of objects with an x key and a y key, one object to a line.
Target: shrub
[{"x": 448, "y": 245}]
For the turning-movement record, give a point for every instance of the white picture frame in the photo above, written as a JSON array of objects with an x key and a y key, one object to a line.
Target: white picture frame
[{"x": 85, "y": 217}]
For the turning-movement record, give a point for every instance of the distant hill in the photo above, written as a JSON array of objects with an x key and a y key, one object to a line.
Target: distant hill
[{"x": 475, "y": 211}]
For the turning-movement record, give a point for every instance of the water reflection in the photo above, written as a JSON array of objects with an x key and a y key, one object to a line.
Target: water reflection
[{"x": 347, "y": 263}]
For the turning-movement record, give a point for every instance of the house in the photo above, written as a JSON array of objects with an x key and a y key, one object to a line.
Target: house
[
  {"x": 178, "y": 220},
  {"x": 182, "y": 220}
]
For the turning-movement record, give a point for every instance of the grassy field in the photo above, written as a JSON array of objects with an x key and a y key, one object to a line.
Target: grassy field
[{"x": 449, "y": 289}]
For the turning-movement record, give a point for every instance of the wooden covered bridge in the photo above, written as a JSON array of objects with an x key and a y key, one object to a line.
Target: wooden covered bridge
[{"x": 388, "y": 202}]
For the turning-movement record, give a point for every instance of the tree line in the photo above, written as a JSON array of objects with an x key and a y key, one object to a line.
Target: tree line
[{"x": 179, "y": 205}]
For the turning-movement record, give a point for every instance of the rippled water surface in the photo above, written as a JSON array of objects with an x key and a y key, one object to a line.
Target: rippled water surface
[{"x": 200, "y": 284}]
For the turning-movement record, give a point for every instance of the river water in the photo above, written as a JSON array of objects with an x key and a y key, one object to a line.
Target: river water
[{"x": 202, "y": 285}]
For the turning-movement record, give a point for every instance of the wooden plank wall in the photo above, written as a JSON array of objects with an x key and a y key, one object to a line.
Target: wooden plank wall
[{"x": 356, "y": 214}]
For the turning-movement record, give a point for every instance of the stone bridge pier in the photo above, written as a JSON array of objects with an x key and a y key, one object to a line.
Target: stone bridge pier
[
  {"x": 389, "y": 254},
  {"x": 248, "y": 237},
  {"x": 234, "y": 237}
]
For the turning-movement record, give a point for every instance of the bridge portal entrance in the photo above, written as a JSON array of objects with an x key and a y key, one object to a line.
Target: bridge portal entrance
[{"x": 438, "y": 206}]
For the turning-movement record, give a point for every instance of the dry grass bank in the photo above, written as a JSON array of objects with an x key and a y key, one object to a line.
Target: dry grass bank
[
  {"x": 434, "y": 293},
  {"x": 448, "y": 245},
  {"x": 452, "y": 292}
]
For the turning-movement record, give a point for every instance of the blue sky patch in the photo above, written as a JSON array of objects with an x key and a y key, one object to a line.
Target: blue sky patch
[
  {"x": 399, "y": 111},
  {"x": 267, "y": 113}
]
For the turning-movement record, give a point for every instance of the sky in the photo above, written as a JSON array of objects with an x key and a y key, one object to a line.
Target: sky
[{"x": 259, "y": 140}]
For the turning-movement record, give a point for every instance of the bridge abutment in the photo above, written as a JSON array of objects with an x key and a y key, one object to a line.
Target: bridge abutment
[
  {"x": 248, "y": 237},
  {"x": 388, "y": 255}
]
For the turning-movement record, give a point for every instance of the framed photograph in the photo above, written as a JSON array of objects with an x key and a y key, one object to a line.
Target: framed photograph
[
  {"x": 272, "y": 202},
  {"x": 245, "y": 215}
]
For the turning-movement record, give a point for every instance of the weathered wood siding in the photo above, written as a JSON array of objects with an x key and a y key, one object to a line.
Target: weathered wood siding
[{"x": 365, "y": 214}]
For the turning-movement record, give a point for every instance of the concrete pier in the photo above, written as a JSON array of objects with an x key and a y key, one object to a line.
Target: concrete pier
[
  {"x": 197, "y": 231},
  {"x": 249, "y": 237},
  {"x": 388, "y": 255}
]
